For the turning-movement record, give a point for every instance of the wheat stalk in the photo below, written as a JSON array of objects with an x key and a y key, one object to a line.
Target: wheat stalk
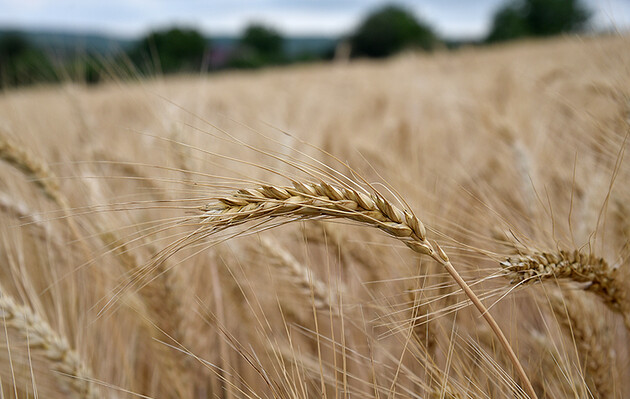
[
  {"x": 316, "y": 200},
  {"x": 576, "y": 266},
  {"x": 65, "y": 363}
]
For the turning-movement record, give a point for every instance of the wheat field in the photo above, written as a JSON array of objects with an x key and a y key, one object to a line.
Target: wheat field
[{"x": 295, "y": 232}]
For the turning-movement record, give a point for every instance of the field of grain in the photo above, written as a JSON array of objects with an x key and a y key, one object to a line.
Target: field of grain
[{"x": 288, "y": 233}]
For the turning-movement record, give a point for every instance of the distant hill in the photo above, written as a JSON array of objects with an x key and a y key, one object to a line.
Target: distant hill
[
  {"x": 70, "y": 42},
  {"x": 65, "y": 43},
  {"x": 293, "y": 46}
]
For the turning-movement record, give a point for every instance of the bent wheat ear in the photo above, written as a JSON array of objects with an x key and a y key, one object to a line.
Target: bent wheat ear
[
  {"x": 309, "y": 200},
  {"x": 575, "y": 266}
]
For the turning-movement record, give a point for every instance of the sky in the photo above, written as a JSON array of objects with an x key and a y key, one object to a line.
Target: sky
[{"x": 132, "y": 18}]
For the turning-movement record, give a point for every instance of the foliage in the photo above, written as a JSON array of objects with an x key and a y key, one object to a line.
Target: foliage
[
  {"x": 21, "y": 63},
  {"x": 520, "y": 18},
  {"x": 262, "y": 39},
  {"x": 172, "y": 50},
  {"x": 258, "y": 46},
  {"x": 389, "y": 30}
]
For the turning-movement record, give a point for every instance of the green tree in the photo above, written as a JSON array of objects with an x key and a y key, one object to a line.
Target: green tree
[
  {"x": 172, "y": 50},
  {"x": 264, "y": 40},
  {"x": 258, "y": 46},
  {"x": 520, "y": 18},
  {"x": 22, "y": 63},
  {"x": 508, "y": 23},
  {"x": 389, "y": 30},
  {"x": 550, "y": 17}
]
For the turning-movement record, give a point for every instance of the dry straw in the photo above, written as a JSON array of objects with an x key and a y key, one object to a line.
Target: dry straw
[{"x": 317, "y": 200}]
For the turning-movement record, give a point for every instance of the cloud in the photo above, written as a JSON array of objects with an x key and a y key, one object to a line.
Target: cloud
[{"x": 453, "y": 18}]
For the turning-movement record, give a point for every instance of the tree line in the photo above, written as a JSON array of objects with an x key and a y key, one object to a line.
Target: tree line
[{"x": 383, "y": 32}]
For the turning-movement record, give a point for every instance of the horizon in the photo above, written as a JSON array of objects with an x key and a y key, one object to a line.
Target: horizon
[{"x": 99, "y": 33}]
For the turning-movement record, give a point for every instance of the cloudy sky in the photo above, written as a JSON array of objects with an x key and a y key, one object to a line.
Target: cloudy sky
[{"x": 128, "y": 18}]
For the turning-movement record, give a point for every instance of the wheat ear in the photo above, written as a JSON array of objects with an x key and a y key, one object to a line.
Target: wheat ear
[
  {"x": 22, "y": 159},
  {"x": 66, "y": 364},
  {"x": 592, "y": 339},
  {"x": 347, "y": 250},
  {"x": 19, "y": 210},
  {"x": 299, "y": 275},
  {"x": 160, "y": 295},
  {"x": 45, "y": 179},
  {"x": 38, "y": 170},
  {"x": 579, "y": 267},
  {"x": 309, "y": 200}
]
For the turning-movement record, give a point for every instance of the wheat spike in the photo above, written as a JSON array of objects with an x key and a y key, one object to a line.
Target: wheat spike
[
  {"x": 22, "y": 159},
  {"x": 592, "y": 339},
  {"x": 316, "y": 200},
  {"x": 309, "y": 200},
  {"x": 73, "y": 376},
  {"x": 299, "y": 275},
  {"x": 579, "y": 267}
]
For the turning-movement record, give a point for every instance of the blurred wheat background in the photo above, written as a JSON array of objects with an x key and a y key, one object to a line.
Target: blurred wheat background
[{"x": 512, "y": 157}]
